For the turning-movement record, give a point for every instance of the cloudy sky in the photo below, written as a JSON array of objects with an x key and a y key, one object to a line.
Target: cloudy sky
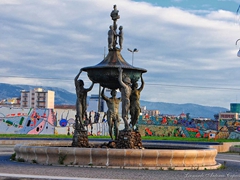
[{"x": 187, "y": 46}]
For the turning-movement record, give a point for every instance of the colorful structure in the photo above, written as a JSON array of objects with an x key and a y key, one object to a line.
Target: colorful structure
[
  {"x": 183, "y": 126},
  {"x": 27, "y": 121},
  {"x": 61, "y": 121},
  {"x": 49, "y": 121}
]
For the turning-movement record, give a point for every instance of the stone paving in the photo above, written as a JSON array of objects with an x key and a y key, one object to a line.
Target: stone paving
[{"x": 231, "y": 171}]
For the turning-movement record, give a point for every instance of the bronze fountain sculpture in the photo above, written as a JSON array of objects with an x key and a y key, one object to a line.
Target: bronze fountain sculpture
[{"x": 113, "y": 72}]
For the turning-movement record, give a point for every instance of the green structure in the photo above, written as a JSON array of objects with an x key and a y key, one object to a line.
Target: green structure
[{"x": 235, "y": 107}]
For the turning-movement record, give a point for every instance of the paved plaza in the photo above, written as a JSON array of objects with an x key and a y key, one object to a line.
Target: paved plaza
[{"x": 17, "y": 170}]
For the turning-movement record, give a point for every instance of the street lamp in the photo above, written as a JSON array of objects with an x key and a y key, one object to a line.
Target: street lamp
[
  {"x": 133, "y": 51},
  {"x": 238, "y": 54}
]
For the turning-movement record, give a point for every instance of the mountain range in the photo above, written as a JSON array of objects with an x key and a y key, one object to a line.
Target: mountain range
[{"x": 63, "y": 97}]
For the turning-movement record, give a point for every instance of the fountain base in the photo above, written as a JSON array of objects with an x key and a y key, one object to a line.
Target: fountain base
[
  {"x": 180, "y": 158},
  {"x": 129, "y": 139},
  {"x": 80, "y": 138}
]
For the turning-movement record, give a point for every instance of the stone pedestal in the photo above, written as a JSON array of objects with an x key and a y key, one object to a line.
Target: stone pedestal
[
  {"x": 129, "y": 139},
  {"x": 80, "y": 138}
]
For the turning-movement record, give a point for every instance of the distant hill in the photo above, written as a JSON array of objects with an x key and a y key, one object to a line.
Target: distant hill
[
  {"x": 63, "y": 97},
  {"x": 195, "y": 110}
]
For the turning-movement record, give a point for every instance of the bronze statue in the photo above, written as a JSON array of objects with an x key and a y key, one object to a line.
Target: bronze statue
[
  {"x": 112, "y": 113},
  {"x": 81, "y": 102},
  {"x": 111, "y": 37},
  {"x": 120, "y": 35},
  {"x": 112, "y": 72},
  {"x": 125, "y": 95},
  {"x": 114, "y": 13},
  {"x": 115, "y": 17},
  {"x": 135, "y": 108}
]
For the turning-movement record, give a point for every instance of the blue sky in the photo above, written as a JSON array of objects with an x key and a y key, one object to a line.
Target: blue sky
[
  {"x": 187, "y": 46},
  {"x": 211, "y": 5}
]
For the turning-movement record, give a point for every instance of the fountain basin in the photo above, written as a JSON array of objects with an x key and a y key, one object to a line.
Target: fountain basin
[
  {"x": 106, "y": 72},
  {"x": 165, "y": 159}
]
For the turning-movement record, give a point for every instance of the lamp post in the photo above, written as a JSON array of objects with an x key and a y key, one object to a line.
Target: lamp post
[
  {"x": 133, "y": 51},
  {"x": 238, "y": 54},
  {"x": 99, "y": 89}
]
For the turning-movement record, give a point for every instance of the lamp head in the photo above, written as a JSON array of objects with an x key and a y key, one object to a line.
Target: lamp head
[
  {"x": 238, "y": 54},
  {"x": 135, "y": 50},
  {"x": 129, "y": 50}
]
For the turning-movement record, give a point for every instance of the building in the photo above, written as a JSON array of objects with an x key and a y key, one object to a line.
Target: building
[
  {"x": 37, "y": 98},
  {"x": 94, "y": 105},
  {"x": 228, "y": 116},
  {"x": 144, "y": 111},
  {"x": 235, "y": 107},
  {"x": 234, "y": 112},
  {"x": 10, "y": 102}
]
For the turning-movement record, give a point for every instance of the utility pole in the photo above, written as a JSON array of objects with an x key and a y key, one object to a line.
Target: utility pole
[{"x": 99, "y": 90}]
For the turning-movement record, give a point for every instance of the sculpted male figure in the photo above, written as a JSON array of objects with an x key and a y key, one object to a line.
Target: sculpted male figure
[
  {"x": 135, "y": 108},
  {"x": 125, "y": 95},
  {"x": 111, "y": 37},
  {"x": 81, "y": 102},
  {"x": 112, "y": 113},
  {"x": 120, "y": 37},
  {"x": 114, "y": 13}
]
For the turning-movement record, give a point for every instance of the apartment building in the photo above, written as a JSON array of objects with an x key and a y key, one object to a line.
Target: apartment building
[
  {"x": 234, "y": 112},
  {"x": 37, "y": 98},
  {"x": 228, "y": 116},
  {"x": 144, "y": 111}
]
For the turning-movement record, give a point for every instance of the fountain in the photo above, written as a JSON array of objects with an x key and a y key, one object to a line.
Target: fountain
[
  {"x": 113, "y": 72},
  {"x": 126, "y": 150}
]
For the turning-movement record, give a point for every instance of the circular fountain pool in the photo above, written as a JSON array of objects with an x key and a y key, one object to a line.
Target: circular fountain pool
[{"x": 168, "y": 157}]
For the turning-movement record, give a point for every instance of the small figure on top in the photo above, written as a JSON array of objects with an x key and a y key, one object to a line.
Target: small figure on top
[
  {"x": 114, "y": 13},
  {"x": 120, "y": 35},
  {"x": 111, "y": 37}
]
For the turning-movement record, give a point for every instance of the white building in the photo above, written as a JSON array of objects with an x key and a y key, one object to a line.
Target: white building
[
  {"x": 94, "y": 105},
  {"x": 37, "y": 98}
]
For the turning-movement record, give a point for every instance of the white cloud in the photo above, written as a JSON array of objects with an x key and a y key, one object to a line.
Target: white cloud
[
  {"x": 4, "y": 2},
  {"x": 54, "y": 39},
  {"x": 222, "y": 15}
]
